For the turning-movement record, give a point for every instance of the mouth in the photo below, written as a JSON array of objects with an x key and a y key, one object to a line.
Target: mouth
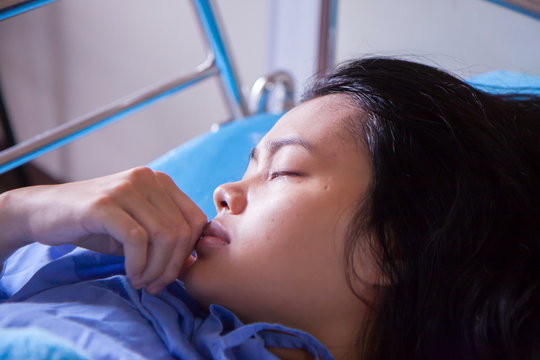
[{"x": 213, "y": 235}]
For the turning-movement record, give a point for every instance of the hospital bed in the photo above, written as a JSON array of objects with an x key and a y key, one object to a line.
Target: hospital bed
[{"x": 220, "y": 155}]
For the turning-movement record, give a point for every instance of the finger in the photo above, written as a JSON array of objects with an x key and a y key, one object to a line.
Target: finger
[
  {"x": 171, "y": 222},
  {"x": 162, "y": 236},
  {"x": 192, "y": 213},
  {"x": 177, "y": 209},
  {"x": 172, "y": 271},
  {"x": 122, "y": 227},
  {"x": 154, "y": 190}
]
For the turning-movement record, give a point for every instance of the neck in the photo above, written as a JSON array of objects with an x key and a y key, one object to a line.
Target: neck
[
  {"x": 290, "y": 354},
  {"x": 340, "y": 340},
  {"x": 300, "y": 354}
]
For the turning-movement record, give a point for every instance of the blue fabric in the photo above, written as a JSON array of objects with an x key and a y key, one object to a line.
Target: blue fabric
[
  {"x": 503, "y": 82},
  {"x": 31, "y": 343},
  {"x": 83, "y": 298}
]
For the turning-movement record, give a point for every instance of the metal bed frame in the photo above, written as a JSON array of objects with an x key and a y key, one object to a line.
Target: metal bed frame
[{"x": 217, "y": 63}]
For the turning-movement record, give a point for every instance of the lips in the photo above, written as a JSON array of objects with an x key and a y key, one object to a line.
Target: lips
[{"x": 214, "y": 235}]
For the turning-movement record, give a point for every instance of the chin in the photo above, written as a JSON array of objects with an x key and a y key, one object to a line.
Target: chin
[
  {"x": 206, "y": 288},
  {"x": 201, "y": 285},
  {"x": 193, "y": 286}
]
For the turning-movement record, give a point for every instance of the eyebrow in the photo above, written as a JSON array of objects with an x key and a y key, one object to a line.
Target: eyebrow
[{"x": 277, "y": 144}]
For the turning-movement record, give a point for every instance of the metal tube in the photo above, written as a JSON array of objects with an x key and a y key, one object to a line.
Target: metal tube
[
  {"x": 9, "y": 138},
  {"x": 22, "y": 7},
  {"x": 258, "y": 98},
  {"x": 211, "y": 27},
  {"x": 327, "y": 36},
  {"x": 65, "y": 133},
  {"x": 218, "y": 63}
]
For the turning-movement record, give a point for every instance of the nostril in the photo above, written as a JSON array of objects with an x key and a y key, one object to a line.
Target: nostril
[{"x": 230, "y": 198}]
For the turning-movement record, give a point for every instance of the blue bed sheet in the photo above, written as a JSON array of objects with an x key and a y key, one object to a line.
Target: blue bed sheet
[{"x": 83, "y": 298}]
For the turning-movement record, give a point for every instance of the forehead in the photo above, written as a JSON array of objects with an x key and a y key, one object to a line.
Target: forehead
[{"x": 320, "y": 120}]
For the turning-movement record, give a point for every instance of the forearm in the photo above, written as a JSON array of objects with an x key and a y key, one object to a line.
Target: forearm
[{"x": 12, "y": 236}]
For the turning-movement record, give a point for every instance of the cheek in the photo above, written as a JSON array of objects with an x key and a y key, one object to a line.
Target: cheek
[
  {"x": 291, "y": 231},
  {"x": 285, "y": 215},
  {"x": 271, "y": 231}
]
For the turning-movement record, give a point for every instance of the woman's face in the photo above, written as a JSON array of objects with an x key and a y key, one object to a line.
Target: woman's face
[{"x": 274, "y": 252}]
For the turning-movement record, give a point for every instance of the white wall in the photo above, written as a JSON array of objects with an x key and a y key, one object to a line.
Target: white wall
[
  {"x": 73, "y": 56},
  {"x": 466, "y": 37},
  {"x": 294, "y": 38}
]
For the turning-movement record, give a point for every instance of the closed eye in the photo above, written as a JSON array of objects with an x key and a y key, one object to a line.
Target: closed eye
[{"x": 277, "y": 174}]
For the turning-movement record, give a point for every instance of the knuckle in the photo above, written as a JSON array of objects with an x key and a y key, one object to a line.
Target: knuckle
[
  {"x": 196, "y": 223},
  {"x": 137, "y": 235},
  {"x": 162, "y": 176},
  {"x": 140, "y": 172},
  {"x": 200, "y": 220},
  {"x": 166, "y": 235}
]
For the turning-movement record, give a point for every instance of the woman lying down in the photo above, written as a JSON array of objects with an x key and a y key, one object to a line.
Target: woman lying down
[{"x": 393, "y": 214}]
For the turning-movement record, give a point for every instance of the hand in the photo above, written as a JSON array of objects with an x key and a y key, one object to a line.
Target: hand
[{"x": 139, "y": 213}]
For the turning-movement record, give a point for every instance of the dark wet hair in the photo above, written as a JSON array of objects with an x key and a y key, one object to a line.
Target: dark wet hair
[{"x": 453, "y": 212}]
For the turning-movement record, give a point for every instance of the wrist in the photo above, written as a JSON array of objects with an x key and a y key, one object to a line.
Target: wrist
[{"x": 12, "y": 234}]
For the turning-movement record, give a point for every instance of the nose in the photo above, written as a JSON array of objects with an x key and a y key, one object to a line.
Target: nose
[{"x": 230, "y": 197}]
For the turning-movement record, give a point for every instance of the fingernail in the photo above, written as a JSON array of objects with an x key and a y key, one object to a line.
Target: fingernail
[
  {"x": 153, "y": 289},
  {"x": 136, "y": 283},
  {"x": 137, "y": 286}
]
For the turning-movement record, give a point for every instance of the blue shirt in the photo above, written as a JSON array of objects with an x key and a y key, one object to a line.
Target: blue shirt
[{"x": 83, "y": 299}]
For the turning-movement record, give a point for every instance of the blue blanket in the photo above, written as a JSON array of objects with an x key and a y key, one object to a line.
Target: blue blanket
[{"x": 67, "y": 303}]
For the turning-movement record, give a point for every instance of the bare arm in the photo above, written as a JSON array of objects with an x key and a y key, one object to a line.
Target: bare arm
[
  {"x": 139, "y": 213},
  {"x": 12, "y": 237}
]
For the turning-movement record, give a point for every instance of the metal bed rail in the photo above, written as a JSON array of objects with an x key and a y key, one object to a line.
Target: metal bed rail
[
  {"x": 10, "y": 8},
  {"x": 326, "y": 51},
  {"x": 217, "y": 63},
  {"x": 263, "y": 86}
]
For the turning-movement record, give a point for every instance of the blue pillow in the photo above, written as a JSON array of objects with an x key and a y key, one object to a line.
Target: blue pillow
[{"x": 502, "y": 82}]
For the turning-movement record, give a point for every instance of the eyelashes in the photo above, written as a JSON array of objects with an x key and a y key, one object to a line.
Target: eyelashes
[{"x": 283, "y": 173}]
